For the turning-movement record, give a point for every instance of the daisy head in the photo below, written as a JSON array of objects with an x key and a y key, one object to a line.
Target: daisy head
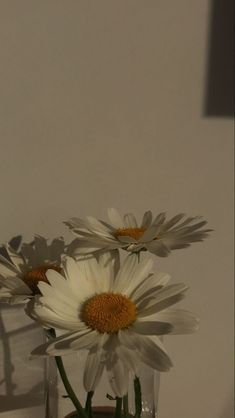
[
  {"x": 117, "y": 315},
  {"x": 21, "y": 272},
  {"x": 156, "y": 235}
]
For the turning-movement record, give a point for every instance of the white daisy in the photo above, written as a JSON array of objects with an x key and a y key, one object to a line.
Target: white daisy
[
  {"x": 19, "y": 276},
  {"x": 117, "y": 317},
  {"x": 155, "y": 235}
]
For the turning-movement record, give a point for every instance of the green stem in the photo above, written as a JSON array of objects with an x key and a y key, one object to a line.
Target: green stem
[
  {"x": 82, "y": 414},
  {"x": 118, "y": 410},
  {"x": 138, "y": 398},
  {"x": 125, "y": 406},
  {"x": 69, "y": 388},
  {"x": 88, "y": 407},
  {"x": 137, "y": 386}
]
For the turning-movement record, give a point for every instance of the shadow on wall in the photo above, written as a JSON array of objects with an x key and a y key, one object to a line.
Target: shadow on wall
[
  {"x": 15, "y": 339},
  {"x": 219, "y": 89}
]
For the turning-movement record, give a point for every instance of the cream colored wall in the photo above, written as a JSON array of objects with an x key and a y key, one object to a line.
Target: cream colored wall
[{"x": 101, "y": 105}]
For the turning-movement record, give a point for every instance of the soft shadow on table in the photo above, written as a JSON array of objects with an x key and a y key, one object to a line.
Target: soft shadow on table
[{"x": 9, "y": 400}]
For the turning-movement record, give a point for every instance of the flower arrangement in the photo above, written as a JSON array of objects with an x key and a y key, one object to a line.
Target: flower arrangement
[{"x": 87, "y": 297}]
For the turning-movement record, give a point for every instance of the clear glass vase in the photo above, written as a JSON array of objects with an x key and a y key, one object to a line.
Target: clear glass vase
[
  {"x": 21, "y": 378},
  {"x": 58, "y": 405}
]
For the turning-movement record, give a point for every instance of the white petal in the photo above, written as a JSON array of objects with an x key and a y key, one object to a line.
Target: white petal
[
  {"x": 162, "y": 299},
  {"x": 150, "y": 353},
  {"x": 83, "y": 341},
  {"x": 88, "y": 247},
  {"x": 93, "y": 371},
  {"x": 126, "y": 272},
  {"x": 94, "y": 367},
  {"x": 115, "y": 218},
  {"x": 59, "y": 306},
  {"x": 140, "y": 273},
  {"x": 6, "y": 268},
  {"x": 14, "y": 283},
  {"x": 182, "y": 238},
  {"x": 107, "y": 262},
  {"x": 7, "y": 297},
  {"x": 183, "y": 322},
  {"x": 150, "y": 282},
  {"x": 62, "y": 345},
  {"x": 149, "y": 234},
  {"x": 41, "y": 350},
  {"x": 92, "y": 272},
  {"x": 15, "y": 257},
  {"x": 22, "y": 289},
  {"x": 151, "y": 327},
  {"x": 160, "y": 218},
  {"x": 125, "y": 239},
  {"x": 186, "y": 222},
  {"x": 76, "y": 223},
  {"x": 147, "y": 219},
  {"x": 118, "y": 375},
  {"x": 130, "y": 221},
  {"x": 98, "y": 227},
  {"x": 94, "y": 237},
  {"x": 52, "y": 319},
  {"x": 161, "y": 279},
  {"x": 172, "y": 221},
  {"x": 129, "y": 358},
  {"x": 19, "y": 299},
  {"x": 59, "y": 289},
  {"x": 158, "y": 247},
  {"x": 79, "y": 276}
]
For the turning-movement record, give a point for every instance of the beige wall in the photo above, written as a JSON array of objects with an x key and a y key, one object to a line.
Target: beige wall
[{"x": 101, "y": 105}]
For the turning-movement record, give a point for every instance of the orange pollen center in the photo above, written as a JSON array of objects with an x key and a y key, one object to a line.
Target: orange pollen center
[
  {"x": 135, "y": 233},
  {"x": 108, "y": 312},
  {"x": 38, "y": 274}
]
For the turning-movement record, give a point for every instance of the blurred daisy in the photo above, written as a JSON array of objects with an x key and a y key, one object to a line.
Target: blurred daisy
[
  {"x": 118, "y": 318},
  {"x": 20, "y": 274},
  {"x": 158, "y": 235}
]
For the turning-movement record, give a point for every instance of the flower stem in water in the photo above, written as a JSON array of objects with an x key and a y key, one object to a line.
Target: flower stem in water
[
  {"x": 138, "y": 398},
  {"x": 60, "y": 366},
  {"x": 125, "y": 406},
  {"x": 88, "y": 407},
  {"x": 118, "y": 410}
]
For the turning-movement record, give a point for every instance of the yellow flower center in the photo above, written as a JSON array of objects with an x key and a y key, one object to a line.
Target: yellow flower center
[
  {"x": 38, "y": 274},
  {"x": 108, "y": 312},
  {"x": 135, "y": 233}
]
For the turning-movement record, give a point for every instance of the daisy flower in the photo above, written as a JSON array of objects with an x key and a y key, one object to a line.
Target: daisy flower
[
  {"x": 158, "y": 236},
  {"x": 19, "y": 277},
  {"x": 117, "y": 316}
]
